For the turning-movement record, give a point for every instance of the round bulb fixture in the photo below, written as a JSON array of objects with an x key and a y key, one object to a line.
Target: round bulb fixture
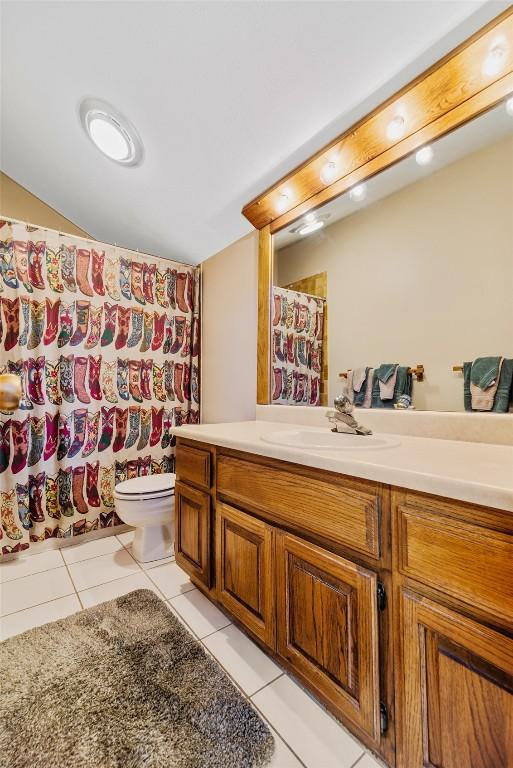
[
  {"x": 396, "y": 128},
  {"x": 310, "y": 217},
  {"x": 329, "y": 172},
  {"x": 310, "y": 227},
  {"x": 495, "y": 61},
  {"x": 110, "y": 132},
  {"x": 282, "y": 203},
  {"x": 358, "y": 193},
  {"x": 509, "y": 107},
  {"x": 424, "y": 155}
]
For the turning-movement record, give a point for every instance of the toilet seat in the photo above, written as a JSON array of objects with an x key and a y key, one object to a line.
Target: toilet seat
[{"x": 146, "y": 487}]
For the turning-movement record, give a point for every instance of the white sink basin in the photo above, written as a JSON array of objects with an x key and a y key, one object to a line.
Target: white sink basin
[{"x": 324, "y": 439}]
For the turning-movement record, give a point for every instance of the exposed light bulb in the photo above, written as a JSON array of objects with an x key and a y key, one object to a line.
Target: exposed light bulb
[
  {"x": 329, "y": 172},
  {"x": 358, "y": 193},
  {"x": 396, "y": 128},
  {"x": 424, "y": 155},
  {"x": 495, "y": 61},
  {"x": 310, "y": 217},
  {"x": 282, "y": 203},
  {"x": 509, "y": 107},
  {"x": 311, "y": 226}
]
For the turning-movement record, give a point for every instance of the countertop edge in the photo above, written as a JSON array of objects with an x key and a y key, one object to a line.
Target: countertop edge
[{"x": 453, "y": 488}]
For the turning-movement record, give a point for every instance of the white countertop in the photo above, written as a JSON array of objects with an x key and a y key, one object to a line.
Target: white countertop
[{"x": 474, "y": 472}]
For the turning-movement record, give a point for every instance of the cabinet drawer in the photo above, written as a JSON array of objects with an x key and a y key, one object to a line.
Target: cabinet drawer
[
  {"x": 341, "y": 513},
  {"x": 465, "y": 560},
  {"x": 193, "y": 465}
]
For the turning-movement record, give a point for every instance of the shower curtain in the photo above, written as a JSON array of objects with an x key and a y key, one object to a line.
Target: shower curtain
[
  {"x": 106, "y": 343},
  {"x": 298, "y": 320}
]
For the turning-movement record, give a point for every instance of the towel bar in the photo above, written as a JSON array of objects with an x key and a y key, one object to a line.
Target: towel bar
[
  {"x": 457, "y": 368},
  {"x": 418, "y": 372}
]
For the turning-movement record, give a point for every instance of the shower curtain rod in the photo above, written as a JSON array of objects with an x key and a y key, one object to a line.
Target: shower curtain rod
[{"x": 92, "y": 240}]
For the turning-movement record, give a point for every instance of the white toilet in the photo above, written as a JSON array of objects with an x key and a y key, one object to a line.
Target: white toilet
[{"x": 148, "y": 504}]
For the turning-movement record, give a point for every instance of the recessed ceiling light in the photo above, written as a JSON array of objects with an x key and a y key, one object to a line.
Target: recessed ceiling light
[
  {"x": 329, "y": 172},
  {"x": 396, "y": 128},
  {"x": 509, "y": 107},
  {"x": 110, "y": 132},
  {"x": 424, "y": 155},
  {"x": 358, "y": 193},
  {"x": 310, "y": 227},
  {"x": 495, "y": 61}
]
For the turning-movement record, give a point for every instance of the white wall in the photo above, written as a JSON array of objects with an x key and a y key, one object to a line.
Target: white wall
[
  {"x": 229, "y": 332},
  {"x": 422, "y": 276}
]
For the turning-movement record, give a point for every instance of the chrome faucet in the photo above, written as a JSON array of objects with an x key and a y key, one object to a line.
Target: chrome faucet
[{"x": 342, "y": 419}]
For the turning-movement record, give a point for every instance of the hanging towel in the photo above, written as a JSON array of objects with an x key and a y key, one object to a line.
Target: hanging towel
[
  {"x": 483, "y": 398},
  {"x": 367, "y": 399},
  {"x": 359, "y": 376},
  {"x": 349, "y": 387},
  {"x": 404, "y": 383},
  {"x": 504, "y": 388},
  {"x": 381, "y": 376},
  {"x": 387, "y": 387},
  {"x": 485, "y": 371},
  {"x": 504, "y": 393}
]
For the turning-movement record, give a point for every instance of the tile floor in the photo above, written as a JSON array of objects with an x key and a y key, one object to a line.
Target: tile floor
[{"x": 51, "y": 585}]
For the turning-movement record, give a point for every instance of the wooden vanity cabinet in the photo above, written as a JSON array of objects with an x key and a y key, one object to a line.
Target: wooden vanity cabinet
[{"x": 395, "y": 608}]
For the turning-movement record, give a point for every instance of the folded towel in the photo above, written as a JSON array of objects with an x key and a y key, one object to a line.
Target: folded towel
[
  {"x": 386, "y": 389},
  {"x": 483, "y": 399},
  {"x": 485, "y": 371},
  {"x": 385, "y": 371},
  {"x": 367, "y": 399},
  {"x": 504, "y": 389}
]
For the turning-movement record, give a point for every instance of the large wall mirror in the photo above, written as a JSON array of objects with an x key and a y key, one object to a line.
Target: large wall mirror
[{"x": 388, "y": 289}]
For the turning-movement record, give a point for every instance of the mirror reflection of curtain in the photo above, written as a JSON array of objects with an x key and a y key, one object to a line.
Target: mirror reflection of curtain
[
  {"x": 298, "y": 325},
  {"x": 106, "y": 343}
]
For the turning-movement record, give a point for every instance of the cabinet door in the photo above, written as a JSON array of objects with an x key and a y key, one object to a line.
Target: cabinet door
[
  {"x": 327, "y": 627},
  {"x": 192, "y": 544},
  {"x": 456, "y": 688},
  {"x": 245, "y": 570}
]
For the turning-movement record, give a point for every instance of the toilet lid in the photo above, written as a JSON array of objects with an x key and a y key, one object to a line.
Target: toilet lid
[{"x": 147, "y": 486}]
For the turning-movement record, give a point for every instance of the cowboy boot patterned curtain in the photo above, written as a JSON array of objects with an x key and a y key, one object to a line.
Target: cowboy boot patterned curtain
[
  {"x": 106, "y": 343},
  {"x": 297, "y": 347}
]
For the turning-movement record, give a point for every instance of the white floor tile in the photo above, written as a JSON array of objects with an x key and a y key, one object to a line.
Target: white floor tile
[
  {"x": 98, "y": 570},
  {"x": 35, "y": 589},
  {"x": 250, "y": 667},
  {"x": 283, "y": 757},
  {"x": 314, "y": 736},
  {"x": 112, "y": 589},
  {"x": 78, "y": 552},
  {"x": 200, "y": 614},
  {"x": 38, "y": 615},
  {"x": 368, "y": 761},
  {"x": 25, "y": 566},
  {"x": 126, "y": 538},
  {"x": 170, "y": 579}
]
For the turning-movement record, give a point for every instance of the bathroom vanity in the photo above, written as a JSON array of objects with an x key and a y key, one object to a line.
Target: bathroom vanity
[{"x": 381, "y": 580}]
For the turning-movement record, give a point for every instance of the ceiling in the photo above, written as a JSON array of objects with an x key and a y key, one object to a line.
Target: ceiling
[{"x": 226, "y": 96}]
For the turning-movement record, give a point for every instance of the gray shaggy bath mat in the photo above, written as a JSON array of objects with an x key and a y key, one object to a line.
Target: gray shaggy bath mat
[{"x": 122, "y": 685}]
